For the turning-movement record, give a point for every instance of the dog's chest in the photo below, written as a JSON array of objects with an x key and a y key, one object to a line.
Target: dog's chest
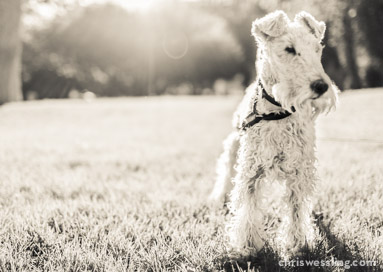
[{"x": 282, "y": 138}]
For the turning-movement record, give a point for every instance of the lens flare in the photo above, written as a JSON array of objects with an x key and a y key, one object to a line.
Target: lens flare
[{"x": 175, "y": 45}]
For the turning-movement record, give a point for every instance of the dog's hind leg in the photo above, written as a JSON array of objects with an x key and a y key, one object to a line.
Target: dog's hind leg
[{"x": 225, "y": 168}]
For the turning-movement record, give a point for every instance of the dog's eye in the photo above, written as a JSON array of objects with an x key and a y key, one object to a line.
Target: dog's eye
[{"x": 290, "y": 50}]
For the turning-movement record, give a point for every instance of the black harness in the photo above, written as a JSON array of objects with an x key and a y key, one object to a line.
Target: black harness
[{"x": 254, "y": 117}]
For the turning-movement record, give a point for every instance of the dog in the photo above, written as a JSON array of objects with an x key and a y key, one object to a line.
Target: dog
[{"x": 274, "y": 135}]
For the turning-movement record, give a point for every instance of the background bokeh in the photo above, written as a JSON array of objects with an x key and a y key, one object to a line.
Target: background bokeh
[{"x": 133, "y": 48}]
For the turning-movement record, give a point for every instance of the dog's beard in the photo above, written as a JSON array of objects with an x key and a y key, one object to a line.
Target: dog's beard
[
  {"x": 327, "y": 102},
  {"x": 304, "y": 100},
  {"x": 291, "y": 98}
]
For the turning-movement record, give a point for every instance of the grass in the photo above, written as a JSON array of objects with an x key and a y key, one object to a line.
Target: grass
[{"x": 121, "y": 185}]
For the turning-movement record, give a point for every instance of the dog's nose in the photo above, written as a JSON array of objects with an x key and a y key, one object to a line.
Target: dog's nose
[{"x": 319, "y": 86}]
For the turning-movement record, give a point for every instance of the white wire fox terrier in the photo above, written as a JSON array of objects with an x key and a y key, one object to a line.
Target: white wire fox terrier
[{"x": 274, "y": 137}]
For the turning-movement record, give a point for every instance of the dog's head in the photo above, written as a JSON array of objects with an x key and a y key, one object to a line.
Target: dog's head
[{"x": 291, "y": 54}]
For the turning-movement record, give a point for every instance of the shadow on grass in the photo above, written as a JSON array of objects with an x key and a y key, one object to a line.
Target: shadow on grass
[
  {"x": 341, "y": 251},
  {"x": 321, "y": 258},
  {"x": 266, "y": 260}
]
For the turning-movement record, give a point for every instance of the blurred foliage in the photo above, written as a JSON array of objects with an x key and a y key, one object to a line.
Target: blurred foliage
[
  {"x": 371, "y": 21},
  {"x": 110, "y": 51},
  {"x": 184, "y": 47}
]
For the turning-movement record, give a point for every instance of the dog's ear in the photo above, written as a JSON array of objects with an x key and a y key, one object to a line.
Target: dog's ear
[
  {"x": 315, "y": 27},
  {"x": 272, "y": 25}
]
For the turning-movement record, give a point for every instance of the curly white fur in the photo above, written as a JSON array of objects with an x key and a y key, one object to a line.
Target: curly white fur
[{"x": 280, "y": 150}]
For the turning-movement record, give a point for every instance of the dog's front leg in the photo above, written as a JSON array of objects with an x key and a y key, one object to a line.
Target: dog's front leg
[
  {"x": 300, "y": 231},
  {"x": 246, "y": 230}
]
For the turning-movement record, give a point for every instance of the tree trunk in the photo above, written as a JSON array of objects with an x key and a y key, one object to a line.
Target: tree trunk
[
  {"x": 10, "y": 51},
  {"x": 350, "y": 51}
]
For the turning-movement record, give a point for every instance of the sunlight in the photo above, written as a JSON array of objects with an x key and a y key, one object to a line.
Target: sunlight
[
  {"x": 45, "y": 12},
  {"x": 132, "y": 5}
]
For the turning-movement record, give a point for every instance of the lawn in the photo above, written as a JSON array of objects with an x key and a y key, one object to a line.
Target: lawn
[{"x": 122, "y": 185}]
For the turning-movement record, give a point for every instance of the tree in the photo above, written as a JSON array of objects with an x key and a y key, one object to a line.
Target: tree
[
  {"x": 370, "y": 21},
  {"x": 10, "y": 51},
  {"x": 350, "y": 47}
]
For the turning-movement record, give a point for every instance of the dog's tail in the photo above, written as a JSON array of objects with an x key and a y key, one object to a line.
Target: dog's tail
[{"x": 226, "y": 168}]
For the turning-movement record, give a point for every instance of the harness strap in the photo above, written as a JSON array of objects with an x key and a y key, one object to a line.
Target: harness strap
[
  {"x": 267, "y": 96},
  {"x": 254, "y": 117}
]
